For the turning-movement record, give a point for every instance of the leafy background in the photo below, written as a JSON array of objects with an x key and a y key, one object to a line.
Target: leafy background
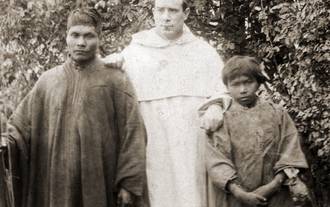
[{"x": 291, "y": 38}]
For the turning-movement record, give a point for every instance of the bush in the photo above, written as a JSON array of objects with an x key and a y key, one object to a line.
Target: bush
[
  {"x": 290, "y": 37},
  {"x": 32, "y": 41}
]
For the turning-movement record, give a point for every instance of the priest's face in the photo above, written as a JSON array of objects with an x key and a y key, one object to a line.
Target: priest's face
[
  {"x": 82, "y": 41},
  {"x": 169, "y": 18}
]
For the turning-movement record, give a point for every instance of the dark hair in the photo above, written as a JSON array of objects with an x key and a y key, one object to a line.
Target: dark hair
[
  {"x": 84, "y": 16},
  {"x": 185, "y": 4},
  {"x": 242, "y": 65}
]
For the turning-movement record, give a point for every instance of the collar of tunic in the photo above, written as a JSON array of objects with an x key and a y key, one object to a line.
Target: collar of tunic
[{"x": 79, "y": 67}]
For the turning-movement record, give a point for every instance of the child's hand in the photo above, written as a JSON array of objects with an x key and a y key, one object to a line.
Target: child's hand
[
  {"x": 266, "y": 190},
  {"x": 251, "y": 198},
  {"x": 270, "y": 188}
]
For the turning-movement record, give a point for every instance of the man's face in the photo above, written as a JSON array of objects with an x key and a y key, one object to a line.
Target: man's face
[
  {"x": 169, "y": 18},
  {"x": 82, "y": 41},
  {"x": 243, "y": 90}
]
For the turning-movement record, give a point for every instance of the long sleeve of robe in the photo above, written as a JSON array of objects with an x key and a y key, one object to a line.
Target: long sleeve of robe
[
  {"x": 252, "y": 146},
  {"x": 81, "y": 138}
]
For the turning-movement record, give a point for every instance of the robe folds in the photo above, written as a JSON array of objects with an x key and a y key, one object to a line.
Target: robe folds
[
  {"x": 80, "y": 137},
  {"x": 252, "y": 146},
  {"x": 172, "y": 79}
]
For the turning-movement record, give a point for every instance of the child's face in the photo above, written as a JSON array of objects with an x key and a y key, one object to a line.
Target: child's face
[{"x": 243, "y": 90}]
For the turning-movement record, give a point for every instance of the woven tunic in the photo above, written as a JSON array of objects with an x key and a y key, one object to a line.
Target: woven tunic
[
  {"x": 252, "y": 146},
  {"x": 81, "y": 138}
]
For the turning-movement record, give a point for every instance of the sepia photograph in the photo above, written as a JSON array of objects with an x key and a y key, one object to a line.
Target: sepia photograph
[{"x": 164, "y": 103}]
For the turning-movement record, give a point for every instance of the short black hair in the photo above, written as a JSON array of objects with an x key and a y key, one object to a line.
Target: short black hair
[
  {"x": 185, "y": 4},
  {"x": 84, "y": 16},
  {"x": 242, "y": 65}
]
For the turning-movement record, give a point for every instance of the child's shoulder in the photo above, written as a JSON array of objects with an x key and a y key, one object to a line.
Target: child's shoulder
[
  {"x": 278, "y": 108},
  {"x": 269, "y": 103},
  {"x": 265, "y": 110},
  {"x": 276, "y": 111},
  {"x": 262, "y": 105}
]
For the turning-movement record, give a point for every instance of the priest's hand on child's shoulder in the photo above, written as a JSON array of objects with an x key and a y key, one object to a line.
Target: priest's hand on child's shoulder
[{"x": 212, "y": 118}]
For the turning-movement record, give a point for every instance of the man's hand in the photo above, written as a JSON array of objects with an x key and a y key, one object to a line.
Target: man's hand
[
  {"x": 125, "y": 198},
  {"x": 115, "y": 60},
  {"x": 212, "y": 118},
  {"x": 4, "y": 141}
]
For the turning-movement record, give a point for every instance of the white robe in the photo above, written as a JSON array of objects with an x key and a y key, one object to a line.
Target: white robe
[{"x": 172, "y": 79}]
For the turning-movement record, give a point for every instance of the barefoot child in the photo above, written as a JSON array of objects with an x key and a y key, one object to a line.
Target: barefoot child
[{"x": 249, "y": 157}]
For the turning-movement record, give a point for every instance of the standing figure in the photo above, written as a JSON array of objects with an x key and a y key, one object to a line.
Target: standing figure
[
  {"x": 251, "y": 156},
  {"x": 79, "y": 133},
  {"x": 173, "y": 72}
]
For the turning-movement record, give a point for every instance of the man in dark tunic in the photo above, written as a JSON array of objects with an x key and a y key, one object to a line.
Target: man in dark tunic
[{"x": 79, "y": 132}]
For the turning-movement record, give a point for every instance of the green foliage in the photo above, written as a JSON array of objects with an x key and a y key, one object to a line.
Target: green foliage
[
  {"x": 121, "y": 20},
  {"x": 292, "y": 40},
  {"x": 296, "y": 52},
  {"x": 32, "y": 41},
  {"x": 290, "y": 37}
]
